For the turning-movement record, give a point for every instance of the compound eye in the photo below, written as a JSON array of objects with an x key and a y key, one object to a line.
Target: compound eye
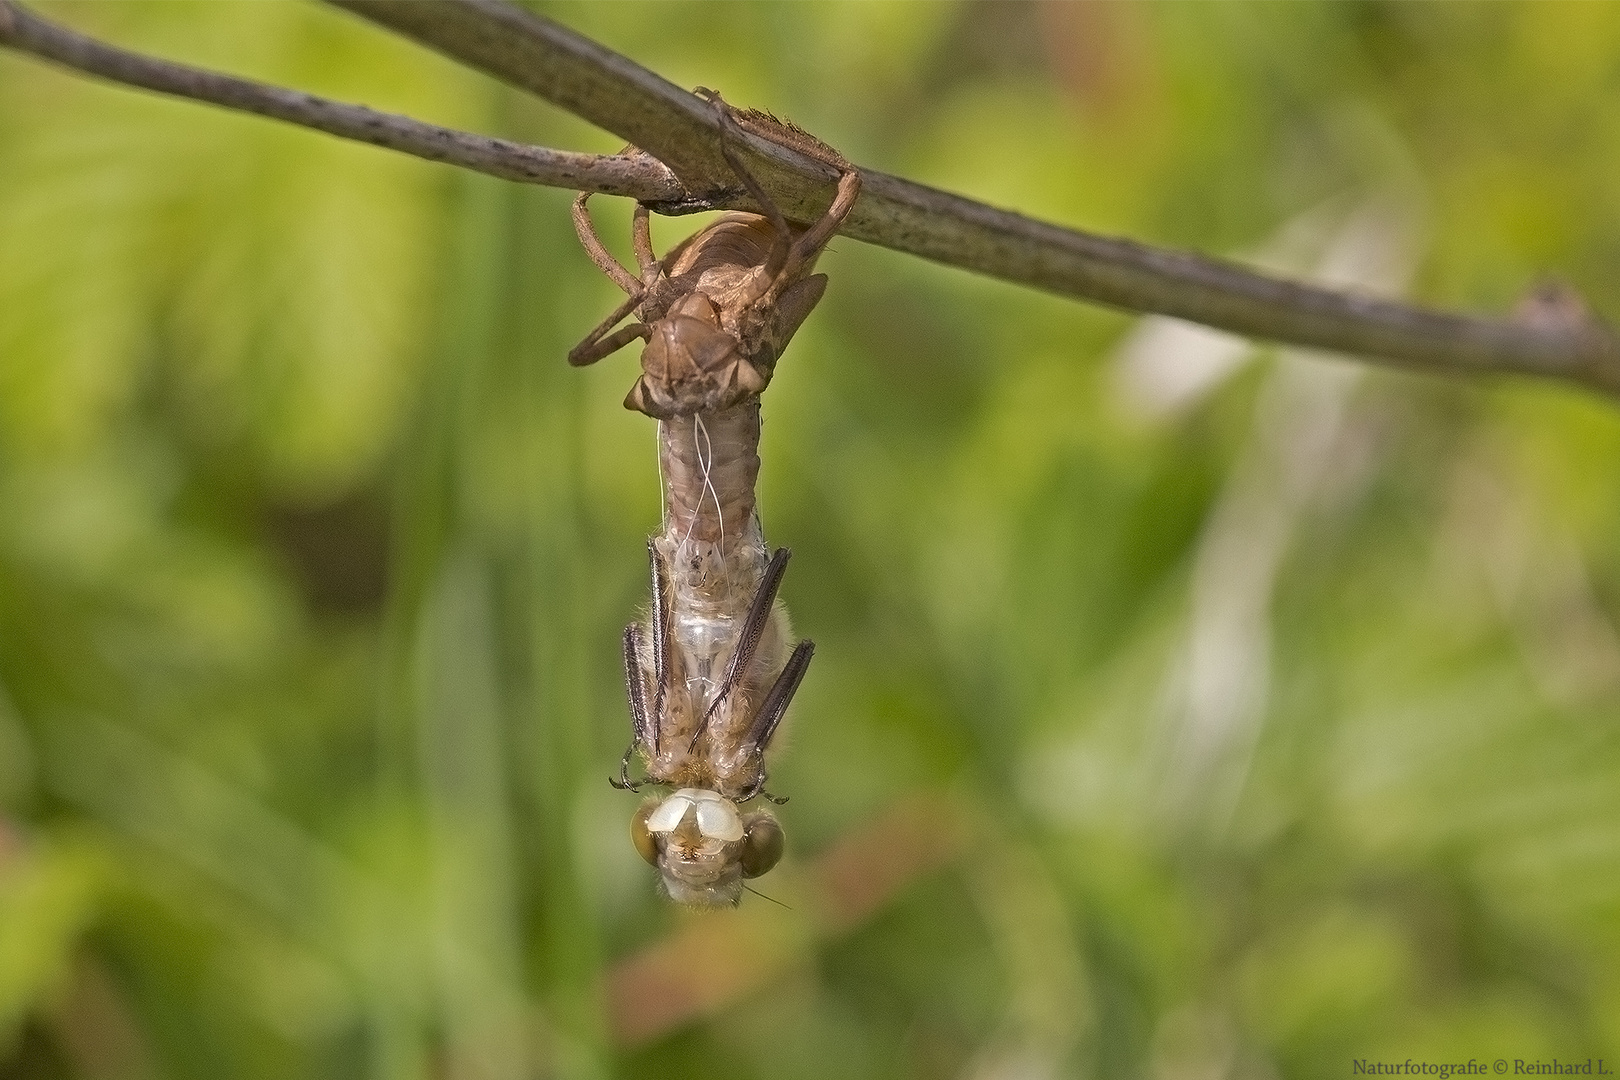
[
  {"x": 762, "y": 844},
  {"x": 642, "y": 837}
]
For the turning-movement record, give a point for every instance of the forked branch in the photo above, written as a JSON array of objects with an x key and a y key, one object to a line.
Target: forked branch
[
  {"x": 637, "y": 176},
  {"x": 1558, "y": 340}
]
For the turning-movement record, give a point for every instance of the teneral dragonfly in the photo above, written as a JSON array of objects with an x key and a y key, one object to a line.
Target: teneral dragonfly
[{"x": 711, "y": 673}]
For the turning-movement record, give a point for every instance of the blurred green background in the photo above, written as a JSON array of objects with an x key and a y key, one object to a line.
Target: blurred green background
[{"x": 1181, "y": 710}]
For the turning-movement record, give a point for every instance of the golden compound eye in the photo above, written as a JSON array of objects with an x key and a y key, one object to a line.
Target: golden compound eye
[
  {"x": 762, "y": 844},
  {"x": 646, "y": 843}
]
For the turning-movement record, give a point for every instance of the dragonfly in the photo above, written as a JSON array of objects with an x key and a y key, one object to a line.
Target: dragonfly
[{"x": 711, "y": 672}]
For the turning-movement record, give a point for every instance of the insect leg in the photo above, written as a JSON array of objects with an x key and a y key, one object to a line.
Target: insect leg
[
  {"x": 758, "y": 788},
  {"x": 776, "y": 702},
  {"x": 599, "y": 343},
  {"x": 813, "y": 239},
  {"x": 729, "y": 130},
  {"x": 753, "y": 628},
  {"x": 660, "y": 629},
  {"x": 640, "y": 724},
  {"x": 600, "y": 255},
  {"x": 623, "y": 782},
  {"x": 785, "y": 261},
  {"x": 595, "y": 346},
  {"x": 641, "y": 236}
]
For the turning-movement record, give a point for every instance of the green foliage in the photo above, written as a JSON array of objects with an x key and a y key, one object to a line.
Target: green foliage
[{"x": 1276, "y": 711}]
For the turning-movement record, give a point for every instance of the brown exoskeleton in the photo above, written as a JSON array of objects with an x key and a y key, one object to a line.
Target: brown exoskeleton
[{"x": 710, "y": 675}]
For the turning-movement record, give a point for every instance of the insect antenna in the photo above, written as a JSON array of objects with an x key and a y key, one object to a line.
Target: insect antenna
[{"x": 772, "y": 899}]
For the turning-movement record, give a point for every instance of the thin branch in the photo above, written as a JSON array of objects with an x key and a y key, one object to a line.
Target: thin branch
[
  {"x": 614, "y": 93},
  {"x": 593, "y": 82},
  {"x": 637, "y": 176},
  {"x": 1558, "y": 340}
]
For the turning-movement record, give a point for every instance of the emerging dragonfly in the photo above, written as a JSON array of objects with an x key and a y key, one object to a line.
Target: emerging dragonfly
[{"x": 710, "y": 675}]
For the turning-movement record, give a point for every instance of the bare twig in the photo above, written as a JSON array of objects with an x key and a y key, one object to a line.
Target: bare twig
[
  {"x": 612, "y": 92},
  {"x": 635, "y": 175},
  {"x": 1562, "y": 341}
]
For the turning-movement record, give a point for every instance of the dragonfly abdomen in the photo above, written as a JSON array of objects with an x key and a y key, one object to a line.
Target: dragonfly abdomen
[
  {"x": 715, "y": 554},
  {"x": 710, "y": 462}
]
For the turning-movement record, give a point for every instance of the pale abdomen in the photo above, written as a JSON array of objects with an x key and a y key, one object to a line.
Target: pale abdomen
[{"x": 714, "y": 553}]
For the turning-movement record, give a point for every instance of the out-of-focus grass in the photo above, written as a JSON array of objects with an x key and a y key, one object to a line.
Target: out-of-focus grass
[{"x": 1180, "y": 709}]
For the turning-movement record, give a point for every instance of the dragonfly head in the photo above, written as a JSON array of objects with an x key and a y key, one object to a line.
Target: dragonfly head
[{"x": 704, "y": 846}]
